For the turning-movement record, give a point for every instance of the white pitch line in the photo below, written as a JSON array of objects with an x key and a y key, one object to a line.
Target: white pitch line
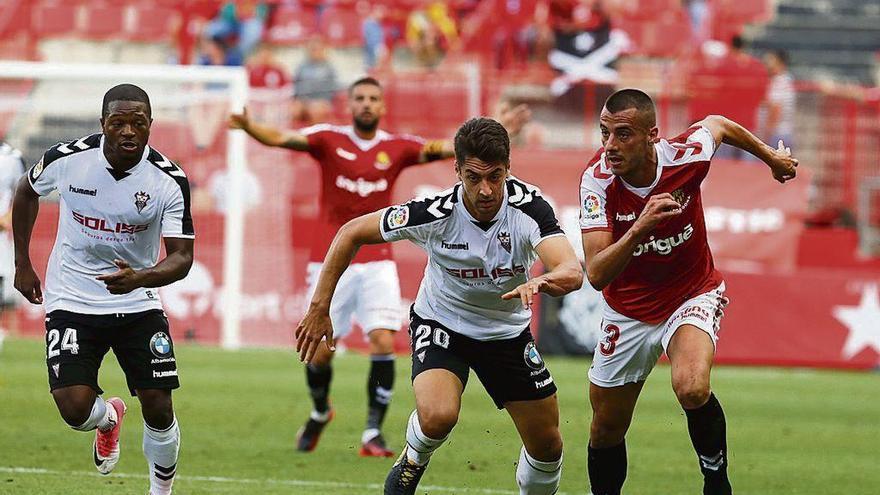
[{"x": 252, "y": 481}]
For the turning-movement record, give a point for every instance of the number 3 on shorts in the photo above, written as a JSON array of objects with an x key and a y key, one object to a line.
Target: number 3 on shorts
[
  {"x": 609, "y": 342},
  {"x": 423, "y": 337},
  {"x": 68, "y": 342}
]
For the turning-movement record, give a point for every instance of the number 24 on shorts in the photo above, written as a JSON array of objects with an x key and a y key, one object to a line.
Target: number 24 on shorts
[
  {"x": 423, "y": 337},
  {"x": 68, "y": 342}
]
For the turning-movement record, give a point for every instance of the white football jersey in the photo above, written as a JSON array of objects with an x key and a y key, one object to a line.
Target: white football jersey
[
  {"x": 106, "y": 215},
  {"x": 470, "y": 263}
]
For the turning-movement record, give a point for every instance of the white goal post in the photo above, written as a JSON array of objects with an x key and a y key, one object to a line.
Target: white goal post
[{"x": 232, "y": 82}]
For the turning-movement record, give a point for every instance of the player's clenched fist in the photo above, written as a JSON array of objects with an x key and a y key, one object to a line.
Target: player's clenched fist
[
  {"x": 659, "y": 208},
  {"x": 311, "y": 330},
  {"x": 239, "y": 120},
  {"x": 526, "y": 292},
  {"x": 28, "y": 283},
  {"x": 782, "y": 164}
]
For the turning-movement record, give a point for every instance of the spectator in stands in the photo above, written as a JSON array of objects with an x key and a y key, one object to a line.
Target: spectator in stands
[
  {"x": 215, "y": 51},
  {"x": 314, "y": 85},
  {"x": 698, "y": 11},
  {"x": 264, "y": 71},
  {"x": 778, "y": 115},
  {"x": 375, "y": 48},
  {"x": 239, "y": 25},
  {"x": 431, "y": 33}
]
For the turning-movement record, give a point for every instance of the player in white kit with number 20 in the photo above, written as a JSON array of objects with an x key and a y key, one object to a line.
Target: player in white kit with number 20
[
  {"x": 118, "y": 198},
  {"x": 474, "y": 304}
]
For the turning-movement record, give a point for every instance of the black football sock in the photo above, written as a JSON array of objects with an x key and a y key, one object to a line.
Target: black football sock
[
  {"x": 318, "y": 378},
  {"x": 380, "y": 385},
  {"x": 708, "y": 433},
  {"x": 607, "y": 469}
]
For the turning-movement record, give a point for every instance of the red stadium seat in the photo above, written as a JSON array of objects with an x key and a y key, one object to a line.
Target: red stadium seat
[
  {"x": 54, "y": 18},
  {"x": 151, "y": 22},
  {"x": 292, "y": 25},
  {"x": 341, "y": 26},
  {"x": 650, "y": 9},
  {"x": 104, "y": 20},
  {"x": 664, "y": 35}
]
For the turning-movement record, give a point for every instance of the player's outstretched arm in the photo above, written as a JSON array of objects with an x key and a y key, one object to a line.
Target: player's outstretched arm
[
  {"x": 513, "y": 118},
  {"x": 564, "y": 273},
  {"x": 779, "y": 159},
  {"x": 315, "y": 324},
  {"x": 25, "y": 206},
  {"x": 267, "y": 135},
  {"x": 173, "y": 267},
  {"x": 606, "y": 259}
]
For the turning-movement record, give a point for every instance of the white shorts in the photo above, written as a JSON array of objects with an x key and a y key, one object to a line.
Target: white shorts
[
  {"x": 630, "y": 348},
  {"x": 367, "y": 294}
]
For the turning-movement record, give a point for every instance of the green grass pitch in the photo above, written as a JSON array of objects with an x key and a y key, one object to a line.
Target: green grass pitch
[{"x": 790, "y": 431}]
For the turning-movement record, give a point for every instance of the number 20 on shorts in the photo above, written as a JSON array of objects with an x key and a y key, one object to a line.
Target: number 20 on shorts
[{"x": 424, "y": 334}]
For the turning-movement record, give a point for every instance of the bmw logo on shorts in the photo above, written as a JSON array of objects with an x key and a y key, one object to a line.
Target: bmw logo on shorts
[
  {"x": 160, "y": 345},
  {"x": 532, "y": 357}
]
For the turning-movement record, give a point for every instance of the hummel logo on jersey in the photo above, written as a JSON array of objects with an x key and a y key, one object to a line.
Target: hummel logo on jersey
[
  {"x": 664, "y": 246},
  {"x": 348, "y": 155},
  {"x": 454, "y": 245},
  {"x": 140, "y": 200},
  {"x": 56, "y": 368},
  {"x": 504, "y": 239},
  {"x": 629, "y": 217},
  {"x": 80, "y": 190}
]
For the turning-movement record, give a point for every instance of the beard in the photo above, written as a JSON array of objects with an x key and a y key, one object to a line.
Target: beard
[{"x": 366, "y": 125}]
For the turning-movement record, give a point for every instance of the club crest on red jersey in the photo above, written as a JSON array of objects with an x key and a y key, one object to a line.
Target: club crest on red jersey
[
  {"x": 383, "y": 161},
  {"x": 504, "y": 239},
  {"x": 681, "y": 197}
]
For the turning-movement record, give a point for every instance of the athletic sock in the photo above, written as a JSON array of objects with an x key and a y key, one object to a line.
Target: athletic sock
[
  {"x": 102, "y": 417},
  {"x": 380, "y": 386},
  {"x": 419, "y": 446},
  {"x": 607, "y": 468},
  {"x": 536, "y": 477},
  {"x": 160, "y": 449},
  {"x": 318, "y": 378},
  {"x": 708, "y": 432}
]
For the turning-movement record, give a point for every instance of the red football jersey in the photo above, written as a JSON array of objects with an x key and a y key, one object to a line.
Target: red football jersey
[
  {"x": 674, "y": 263},
  {"x": 356, "y": 178}
]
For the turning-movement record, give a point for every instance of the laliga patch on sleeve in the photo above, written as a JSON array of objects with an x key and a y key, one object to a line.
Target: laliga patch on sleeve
[
  {"x": 591, "y": 207},
  {"x": 37, "y": 170},
  {"x": 397, "y": 217}
]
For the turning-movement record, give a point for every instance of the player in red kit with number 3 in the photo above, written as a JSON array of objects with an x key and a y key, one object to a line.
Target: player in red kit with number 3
[
  {"x": 644, "y": 239},
  {"x": 359, "y": 165}
]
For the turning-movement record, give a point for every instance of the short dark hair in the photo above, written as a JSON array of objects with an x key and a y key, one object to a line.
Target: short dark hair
[
  {"x": 482, "y": 138},
  {"x": 125, "y": 92},
  {"x": 737, "y": 42},
  {"x": 781, "y": 54},
  {"x": 625, "y": 99},
  {"x": 372, "y": 81}
]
